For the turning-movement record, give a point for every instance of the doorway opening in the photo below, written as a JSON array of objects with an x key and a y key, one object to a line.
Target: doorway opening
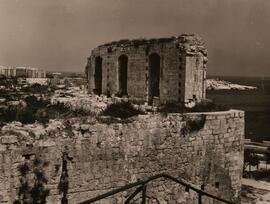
[
  {"x": 98, "y": 75},
  {"x": 154, "y": 76},
  {"x": 122, "y": 75}
]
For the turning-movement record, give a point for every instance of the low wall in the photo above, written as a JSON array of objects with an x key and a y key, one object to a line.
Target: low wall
[{"x": 85, "y": 158}]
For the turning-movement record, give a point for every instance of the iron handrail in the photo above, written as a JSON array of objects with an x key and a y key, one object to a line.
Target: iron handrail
[{"x": 142, "y": 184}]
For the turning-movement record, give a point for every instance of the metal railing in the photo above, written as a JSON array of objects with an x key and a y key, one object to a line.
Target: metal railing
[{"x": 142, "y": 187}]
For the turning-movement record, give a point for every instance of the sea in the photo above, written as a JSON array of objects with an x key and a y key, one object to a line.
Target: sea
[{"x": 255, "y": 103}]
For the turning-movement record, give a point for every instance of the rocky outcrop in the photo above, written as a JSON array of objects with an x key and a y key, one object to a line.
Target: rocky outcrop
[{"x": 215, "y": 84}]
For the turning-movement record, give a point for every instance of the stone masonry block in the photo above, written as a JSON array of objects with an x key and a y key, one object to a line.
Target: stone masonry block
[{"x": 9, "y": 139}]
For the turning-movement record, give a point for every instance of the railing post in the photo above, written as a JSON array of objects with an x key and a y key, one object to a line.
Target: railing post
[
  {"x": 133, "y": 195},
  {"x": 142, "y": 188},
  {"x": 199, "y": 198},
  {"x": 144, "y": 194}
]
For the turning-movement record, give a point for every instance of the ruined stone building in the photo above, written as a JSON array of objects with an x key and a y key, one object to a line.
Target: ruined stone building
[{"x": 156, "y": 70}]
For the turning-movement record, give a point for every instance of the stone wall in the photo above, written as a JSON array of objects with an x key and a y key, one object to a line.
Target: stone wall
[
  {"x": 96, "y": 157},
  {"x": 195, "y": 78}
]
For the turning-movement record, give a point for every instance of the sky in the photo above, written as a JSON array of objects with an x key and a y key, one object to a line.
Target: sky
[{"x": 58, "y": 35}]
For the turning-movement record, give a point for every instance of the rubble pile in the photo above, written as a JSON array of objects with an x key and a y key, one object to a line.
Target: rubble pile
[
  {"x": 34, "y": 131},
  {"x": 78, "y": 99}
]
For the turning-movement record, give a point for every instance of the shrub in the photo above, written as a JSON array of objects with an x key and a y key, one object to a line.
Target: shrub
[
  {"x": 34, "y": 103},
  {"x": 193, "y": 125},
  {"x": 196, "y": 124},
  {"x": 171, "y": 107},
  {"x": 17, "y": 113},
  {"x": 250, "y": 159},
  {"x": 8, "y": 114},
  {"x": 36, "y": 88},
  {"x": 121, "y": 110},
  {"x": 26, "y": 116}
]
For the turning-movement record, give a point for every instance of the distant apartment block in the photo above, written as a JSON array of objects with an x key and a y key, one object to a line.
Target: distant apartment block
[{"x": 25, "y": 72}]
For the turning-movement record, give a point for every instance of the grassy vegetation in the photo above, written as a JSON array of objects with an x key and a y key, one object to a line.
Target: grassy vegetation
[{"x": 121, "y": 110}]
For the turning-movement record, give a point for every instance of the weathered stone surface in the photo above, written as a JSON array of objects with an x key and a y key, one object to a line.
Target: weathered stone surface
[
  {"x": 9, "y": 139},
  {"x": 112, "y": 155}
]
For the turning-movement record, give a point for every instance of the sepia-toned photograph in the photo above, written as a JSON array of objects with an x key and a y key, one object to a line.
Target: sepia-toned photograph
[{"x": 134, "y": 102}]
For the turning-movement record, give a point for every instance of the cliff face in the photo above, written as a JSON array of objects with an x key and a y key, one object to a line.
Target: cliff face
[{"x": 82, "y": 157}]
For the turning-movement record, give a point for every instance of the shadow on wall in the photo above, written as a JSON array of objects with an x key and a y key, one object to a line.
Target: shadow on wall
[{"x": 32, "y": 181}]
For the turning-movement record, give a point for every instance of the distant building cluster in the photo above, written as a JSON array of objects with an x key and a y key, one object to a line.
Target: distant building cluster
[{"x": 25, "y": 72}]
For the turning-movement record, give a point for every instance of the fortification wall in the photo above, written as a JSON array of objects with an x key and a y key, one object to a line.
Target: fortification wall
[{"x": 92, "y": 158}]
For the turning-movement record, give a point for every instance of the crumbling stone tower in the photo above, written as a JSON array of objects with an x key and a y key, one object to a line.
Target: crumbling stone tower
[{"x": 154, "y": 71}]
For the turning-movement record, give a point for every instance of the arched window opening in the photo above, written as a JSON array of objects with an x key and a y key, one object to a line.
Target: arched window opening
[
  {"x": 98, "y": 75},
  {"x": 154, "y": 75},
  {"x": 122, "y": 74}
]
